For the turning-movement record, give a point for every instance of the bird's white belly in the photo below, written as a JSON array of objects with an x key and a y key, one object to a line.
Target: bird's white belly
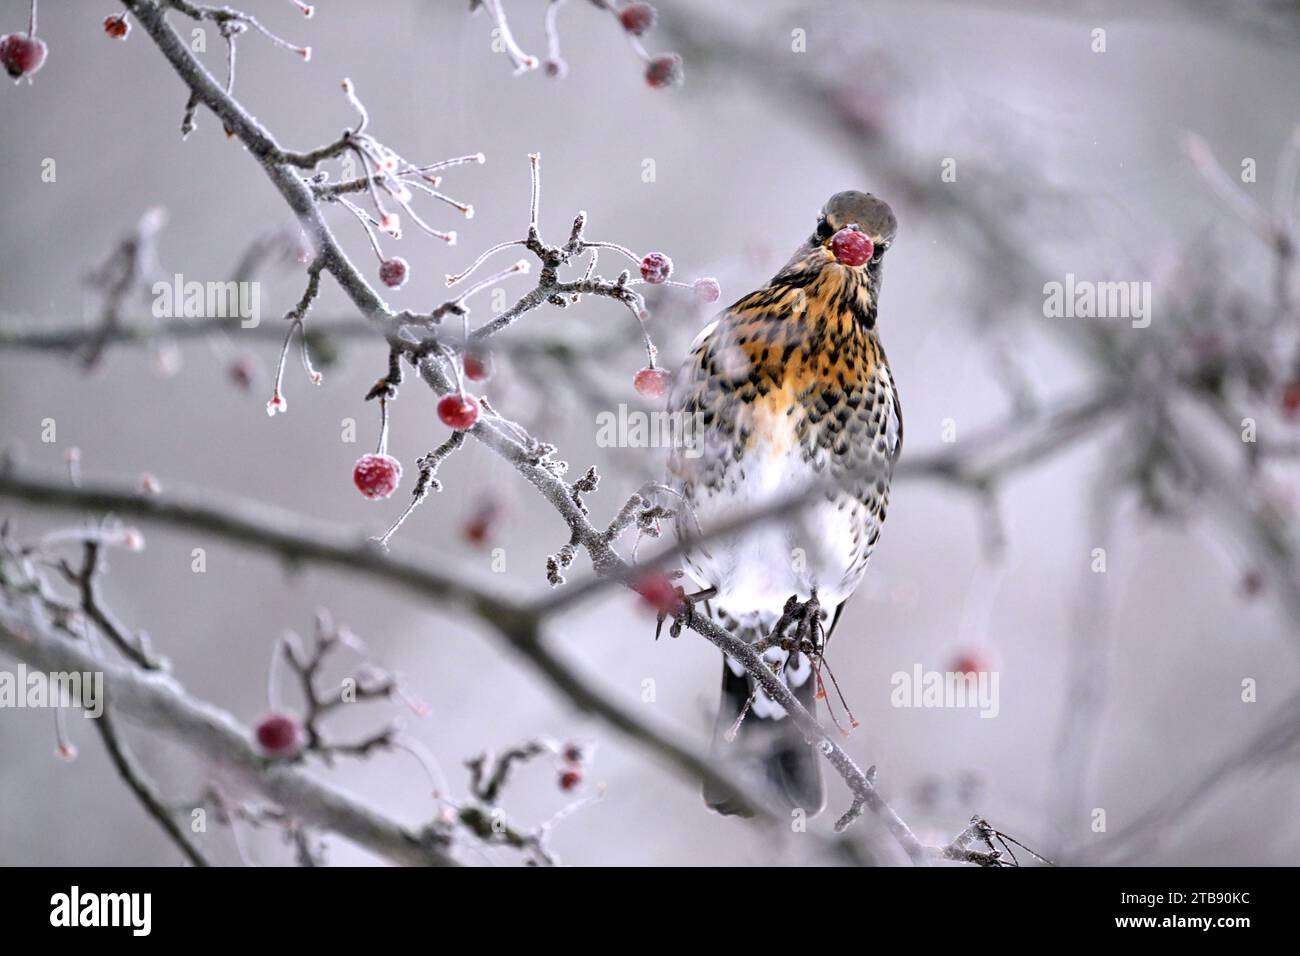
[{"x": 757, "y": 570}]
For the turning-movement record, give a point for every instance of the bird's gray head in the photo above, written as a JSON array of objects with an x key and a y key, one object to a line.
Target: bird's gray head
[
  {"x": 845, "y": 253},
  {"x": 852, "y": 208}
]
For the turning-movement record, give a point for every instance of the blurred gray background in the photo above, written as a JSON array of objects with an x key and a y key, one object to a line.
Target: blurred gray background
[{"x": 740, "y": 174}]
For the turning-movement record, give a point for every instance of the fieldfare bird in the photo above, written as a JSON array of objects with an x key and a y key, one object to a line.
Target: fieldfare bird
[{"x": 794, "y": 395}]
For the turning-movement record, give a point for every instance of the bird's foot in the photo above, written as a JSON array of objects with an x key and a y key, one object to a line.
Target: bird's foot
[{"x": 798, "y": 630}]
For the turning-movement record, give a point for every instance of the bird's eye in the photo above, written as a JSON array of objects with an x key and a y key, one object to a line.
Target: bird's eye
[
  {"x": 880, "y": 252},
  {"x": 824, "y": 230}
]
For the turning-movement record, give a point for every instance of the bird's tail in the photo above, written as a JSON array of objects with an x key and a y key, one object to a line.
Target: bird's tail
[{"x": 766, "y": 746}]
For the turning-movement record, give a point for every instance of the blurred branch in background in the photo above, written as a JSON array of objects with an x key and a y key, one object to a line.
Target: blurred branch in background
[{"x": 1213, "y": 358}]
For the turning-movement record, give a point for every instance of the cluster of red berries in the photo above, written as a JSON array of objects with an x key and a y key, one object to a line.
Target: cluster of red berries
[
  {"x": 656, "y": 269},
  {"x": 377, "y": 476},
  {"x": 638, "y": 19},
  {"x": 571, "y": 770}
]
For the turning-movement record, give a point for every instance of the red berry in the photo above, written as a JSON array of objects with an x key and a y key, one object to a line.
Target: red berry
[
  {"x": 393, "y": 272},
  {"x": 1252, "y": 583},
  {"x": 637, "y": 18},
  {"x": 851, "y": 247},
  {"x": 1291, "y": 398},
  {"x": 570, "y": 779},
  {"x": 651, "y": 382},
  {"x": 481, "y": 522},
  {"x": 279, "y": 735},
  {"x": 656, "y": 268},
  {"x": 659, "y": 592},
  {"x": 458, "y": 411},
  {"x": 117, "y": 27},
  {"x": 22, "y": 55},
  {"x": 478, "y": 366},
  {"x": 242, "y": 371},
  {"x": 377, "y": 476},
  {"x": 664, "y": 70},
  {"x": 968, "y": 663},
  {"x": 707, "y": 290}
]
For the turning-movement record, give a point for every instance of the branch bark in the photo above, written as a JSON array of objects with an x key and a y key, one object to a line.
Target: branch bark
[{"x": 156, "y": 700}]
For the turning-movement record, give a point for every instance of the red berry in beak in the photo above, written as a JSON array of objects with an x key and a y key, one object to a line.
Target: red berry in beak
[
  {"x": 279, "y": 735},
  {"x": 377, "y": 476},
  {"x": 458, "y": 411},
  {"x": 22, "y": 55},
  {"x": 851, "y": 247}
]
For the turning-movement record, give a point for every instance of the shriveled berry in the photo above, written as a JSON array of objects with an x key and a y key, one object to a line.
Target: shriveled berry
[
  {"x": 570, "y": 779},
  {"x": 556, "y": 68},
  {"x": 377, "y": 476},
  {"x": 458, "y": 411},
  {"x": 117, "y": 27},
  {"x": 852, "y": 247},
  {"x": 574, "y": 752},
  {"x": 664, "y": 70},
  {"x": 656, "y": 268},
  {"x": 279, "y": 735},
  {"x": 637, "y": 18},
  {"x": 651, "y": 382},
  {"x": 22, "y": 55},
  {"x": 478, "y": 366},
  {"x": 393, "y": 272},
  {"x": 706, "y": 290}
]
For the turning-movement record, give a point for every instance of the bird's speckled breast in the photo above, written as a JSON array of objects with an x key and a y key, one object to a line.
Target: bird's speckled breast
[{"x": 789, "y": 382}]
